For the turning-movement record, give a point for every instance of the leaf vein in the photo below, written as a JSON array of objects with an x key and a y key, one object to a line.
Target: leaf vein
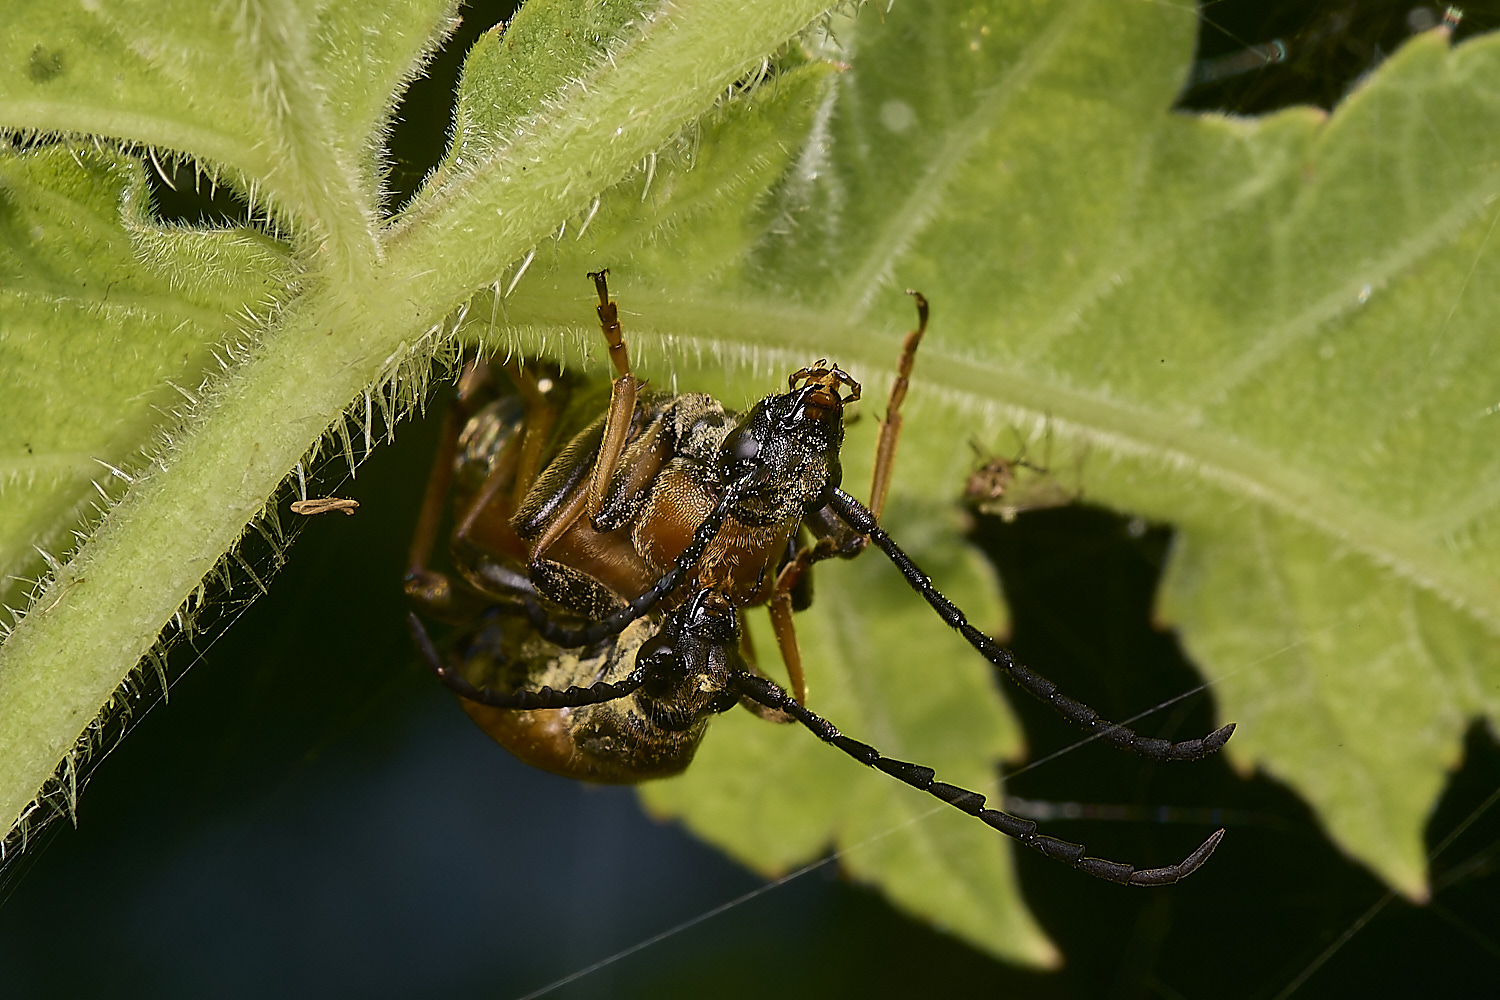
[
  {"x": 908, "y": 221},
  {"x": 1346, "y": 298}
]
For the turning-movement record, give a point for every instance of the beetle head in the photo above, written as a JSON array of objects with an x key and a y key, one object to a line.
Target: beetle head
[
  {"x": 689, "y": 661},
  {"x": 793, "y": 438}
]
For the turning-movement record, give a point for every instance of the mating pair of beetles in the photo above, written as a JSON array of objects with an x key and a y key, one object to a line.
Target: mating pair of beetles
[{"x": 605, "y": 561}]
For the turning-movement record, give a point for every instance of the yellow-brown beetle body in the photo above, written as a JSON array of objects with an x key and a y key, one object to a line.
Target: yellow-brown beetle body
[{"x": 605, "y": 562}]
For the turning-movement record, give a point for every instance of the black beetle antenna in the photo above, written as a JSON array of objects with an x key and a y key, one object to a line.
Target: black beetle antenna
[
  {"x": 861, "y": 520},
  {"x": 765, "y": 692}
]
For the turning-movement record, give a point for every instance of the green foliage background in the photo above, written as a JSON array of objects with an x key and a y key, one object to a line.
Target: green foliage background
[{"x": 1270, "y": 333}]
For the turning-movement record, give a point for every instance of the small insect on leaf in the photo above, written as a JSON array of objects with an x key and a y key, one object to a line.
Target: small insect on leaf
[
  {"x": 324, "y": 505},
  {"x": 1006, "y": 487}
]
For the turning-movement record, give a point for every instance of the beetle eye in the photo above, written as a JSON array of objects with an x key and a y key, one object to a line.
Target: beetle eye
[
  {"x": 723, "y": 702},
  {"x": 660, "y": 658},
  {"x": 739, "y": 448}
]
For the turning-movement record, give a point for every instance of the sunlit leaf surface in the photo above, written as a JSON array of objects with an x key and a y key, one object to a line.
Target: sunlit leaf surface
[
  {"x": 1274, "y": 334},
  {"x": 287, "y": 103},
  {"x": 108, "y": 323}
]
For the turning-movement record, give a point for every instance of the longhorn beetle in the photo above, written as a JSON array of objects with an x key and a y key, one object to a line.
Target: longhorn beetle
[{"x": 606, "y": 559}]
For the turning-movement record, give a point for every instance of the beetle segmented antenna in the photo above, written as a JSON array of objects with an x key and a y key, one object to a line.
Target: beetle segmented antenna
[
  {"x": 642, "y": 605},
  {"x": 544, "y": 697},
  {"x": 862, "y": 521},
  {"x": 770, "y": 695}
]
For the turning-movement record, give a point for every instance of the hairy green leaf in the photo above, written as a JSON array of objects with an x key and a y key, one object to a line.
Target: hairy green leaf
[
  {"x": 1270, "y": 333},
  {"x": 1274, "y": 334},
  {"x": 514, "y": 70},
  {"x": 266, "y": 93},
  {"x": 108, "y": 321},
  {"x": 289, "y": 99}
]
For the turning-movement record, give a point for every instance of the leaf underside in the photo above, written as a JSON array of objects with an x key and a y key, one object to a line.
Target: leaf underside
[{"x": 1270, "y": 333}]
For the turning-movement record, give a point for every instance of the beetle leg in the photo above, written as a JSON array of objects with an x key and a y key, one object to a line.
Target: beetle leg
[
  {"x": 519, "y": 463},
  {"x": 747, "y": 645},
  {"x": 622, "y": 397},
  {"x": 831, "y": 530},
  {"x": 609, "y": 323},
  {"x": 747, "y": 654},
  {"x": 433, "y": 591},
  {"x": 780, "y": 608},
  {"x": 623, "y": 393},
  {"x": 793, "y": 592},
  {"x": 783, "y": 602},
  {"x": 504, "y": 470},
  {"x": 890, "y": 427},
  {"x": 539, "y": 414}
]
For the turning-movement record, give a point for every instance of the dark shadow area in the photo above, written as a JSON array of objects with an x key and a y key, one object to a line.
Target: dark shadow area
[
  {"x": 183, "y": 194},
  {"x": 1255, "y": 56},
  {"x": 1080, "y": 583},
  {"x": 424, "y": 118}
]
